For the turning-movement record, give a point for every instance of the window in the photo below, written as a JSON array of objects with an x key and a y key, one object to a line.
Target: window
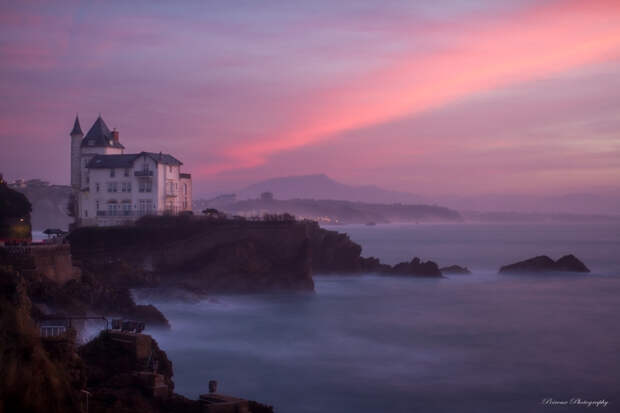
[
  {"x": 112, "y": 208},
  {"x": 97, "y": 204},
  {"x": 86, "y": 213},
  {"x": 126, "y": 187},
  {"x": 185, "y": 189},
  {"x": 85, "y": 163},
  {"x": 145, "y": 185},
  {"x": 112, "y": 173},
  {"x": 97, "y": 187},
  {"x": 126, "y": 207},
  {"x": 170, "y": 168},
  {"x": 126, "y": 171},
  {"x": 112, "y": 187},
  {"x": 145, "y": 206}
]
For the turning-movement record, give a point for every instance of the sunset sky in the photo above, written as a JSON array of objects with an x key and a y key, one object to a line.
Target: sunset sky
[{"x": 437, "y": 97}]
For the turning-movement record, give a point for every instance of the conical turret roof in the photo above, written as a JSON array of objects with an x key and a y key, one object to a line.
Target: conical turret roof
[
  {"x": 77, "y": 129},
  {"x": 99, "y": 135}
]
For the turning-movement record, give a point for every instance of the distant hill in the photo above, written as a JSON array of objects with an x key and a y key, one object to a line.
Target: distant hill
[
  {"x": 336, "y": 212},
  {"x": 321, "y": 186}
]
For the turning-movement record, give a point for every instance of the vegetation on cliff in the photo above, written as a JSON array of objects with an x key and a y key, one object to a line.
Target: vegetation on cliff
[
  {"x": 32, "y": 379},
  {"x": 15, "y": 212}
]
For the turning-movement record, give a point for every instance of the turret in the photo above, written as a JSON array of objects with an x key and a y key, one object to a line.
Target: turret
[
  {"x": 76, "y": 170},
  {"x": 76, "y": 141}
]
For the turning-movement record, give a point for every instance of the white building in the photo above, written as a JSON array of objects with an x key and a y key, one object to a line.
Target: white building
[{"x": 112, "y": 187}]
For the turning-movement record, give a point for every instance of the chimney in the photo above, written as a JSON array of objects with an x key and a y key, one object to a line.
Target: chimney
[{"x": 115, "y": 135}]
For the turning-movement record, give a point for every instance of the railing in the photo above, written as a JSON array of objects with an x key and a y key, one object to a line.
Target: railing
[
  {"x": 143, "y": 173},
  {"x": 135, "y": 213},
  {"x": 172, "y": 192},
  {"x": 120, "y": 213}
]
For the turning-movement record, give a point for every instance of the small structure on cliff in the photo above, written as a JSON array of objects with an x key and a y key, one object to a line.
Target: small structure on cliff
[{"x": 54, "y": 328}]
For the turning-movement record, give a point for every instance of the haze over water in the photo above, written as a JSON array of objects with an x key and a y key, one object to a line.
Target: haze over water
[{"x": 473, "y": 343}]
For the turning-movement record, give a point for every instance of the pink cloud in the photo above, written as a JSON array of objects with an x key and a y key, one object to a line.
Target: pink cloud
[{"x": 485, "y": 54}]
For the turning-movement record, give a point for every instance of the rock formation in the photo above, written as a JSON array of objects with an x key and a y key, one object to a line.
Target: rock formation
[
  {"x": 542, "y": 263},
  {"x": 454, "y": 269},
  {"x": 200, "y": 254},
  {"x": 417, "y": 268}
]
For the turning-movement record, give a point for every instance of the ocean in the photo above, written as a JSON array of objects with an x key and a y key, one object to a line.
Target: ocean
[{"x": 466, "y": 343}]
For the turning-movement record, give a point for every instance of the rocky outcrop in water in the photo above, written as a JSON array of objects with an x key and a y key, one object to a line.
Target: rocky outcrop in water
[
  {"x": 455, "y": 270},
  {"x": 542, "y": 263},
  {"x": 416, "y": 267}
]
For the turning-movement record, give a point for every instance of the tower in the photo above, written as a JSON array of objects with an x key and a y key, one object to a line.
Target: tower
[
  {"x": 76, "y": 140},
  {"x": 76, "y": 155}
]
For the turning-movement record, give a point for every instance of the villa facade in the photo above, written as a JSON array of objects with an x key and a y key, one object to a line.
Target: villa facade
[{"x": 113, "y": 188}]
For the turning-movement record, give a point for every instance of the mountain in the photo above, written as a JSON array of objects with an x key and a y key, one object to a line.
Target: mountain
[{"x": 321, "y": 186}]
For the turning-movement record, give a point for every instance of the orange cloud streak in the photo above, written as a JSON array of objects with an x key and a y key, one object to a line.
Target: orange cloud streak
[{"x": 537, "y": 42}]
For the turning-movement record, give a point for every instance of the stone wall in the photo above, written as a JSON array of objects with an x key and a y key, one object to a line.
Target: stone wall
[{"x": 54, "y": 261}]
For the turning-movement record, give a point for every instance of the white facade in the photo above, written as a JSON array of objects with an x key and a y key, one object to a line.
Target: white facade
[{"x": 117, "y": 188}]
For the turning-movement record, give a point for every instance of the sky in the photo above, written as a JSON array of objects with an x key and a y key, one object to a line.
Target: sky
[{"x": 458, "y": 97}]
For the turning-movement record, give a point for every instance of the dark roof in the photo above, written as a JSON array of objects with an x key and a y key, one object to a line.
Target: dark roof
[
  {"x": 77, "y": 129},
  {"x": 126, "y": 161},
  {"x": 163, "y": 158},
  {"x": 99, "y": 135},
  {"x": 112, "y": 161}
]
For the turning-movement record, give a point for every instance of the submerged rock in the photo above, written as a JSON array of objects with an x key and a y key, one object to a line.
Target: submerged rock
[
  {"x": 542, "y": 263},
  {"x": 455, "y": 269}
]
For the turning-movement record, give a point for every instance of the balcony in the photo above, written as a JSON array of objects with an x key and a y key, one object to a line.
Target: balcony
[
  {"x": 117, "y": 213},
  {"x": 143, "y": 173},
  {"x": 171, "y": 192}
]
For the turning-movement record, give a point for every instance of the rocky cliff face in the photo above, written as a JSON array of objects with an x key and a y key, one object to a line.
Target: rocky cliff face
[
  {"x": 197, "y": 253},
  {"x": 120, "y": 372},
  {"x": 33, "y": 379},
  {"x": 219, "y": 255}
]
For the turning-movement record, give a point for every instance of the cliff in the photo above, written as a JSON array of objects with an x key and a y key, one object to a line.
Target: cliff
[
  {"x": 116, "y": 372},
  {"x": 224, "y": 255},
  {"x": 32, "y": 379},
  {"x": 199, "y": 254}
]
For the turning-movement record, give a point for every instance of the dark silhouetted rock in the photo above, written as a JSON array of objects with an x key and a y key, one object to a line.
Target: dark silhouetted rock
[
  {"x": 455, "y": 269},
  {"x": 542, "y": 263},
  {"x": 417, "y": 268},
  {"x": 570, "y": 263}
]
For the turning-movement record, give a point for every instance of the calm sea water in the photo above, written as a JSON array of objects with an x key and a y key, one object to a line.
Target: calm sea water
[{"x": 475, "y": 343}]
